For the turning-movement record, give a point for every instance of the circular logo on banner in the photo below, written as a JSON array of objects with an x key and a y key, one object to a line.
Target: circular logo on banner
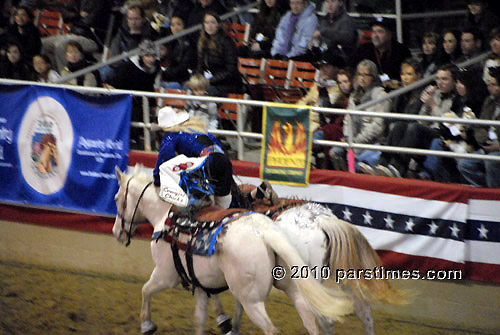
[{"x": 44, "y": 144}]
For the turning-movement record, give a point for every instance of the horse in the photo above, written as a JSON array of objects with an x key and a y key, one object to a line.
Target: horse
[{"x": 248, "y": 248}]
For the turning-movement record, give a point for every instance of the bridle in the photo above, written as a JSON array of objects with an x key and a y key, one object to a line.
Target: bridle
[{"x": 124, "y": 207}]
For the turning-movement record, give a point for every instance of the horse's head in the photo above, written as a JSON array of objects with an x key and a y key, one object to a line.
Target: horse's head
[{"x": 128, "y": 198}]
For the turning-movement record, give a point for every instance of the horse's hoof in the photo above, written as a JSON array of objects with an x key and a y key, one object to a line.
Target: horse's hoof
[
  {"x": 224, "y": 324},
  {"x": 148, "y": 328}
]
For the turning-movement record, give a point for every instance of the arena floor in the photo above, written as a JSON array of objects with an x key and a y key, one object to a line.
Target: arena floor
[{"x": 55, "y": 281}]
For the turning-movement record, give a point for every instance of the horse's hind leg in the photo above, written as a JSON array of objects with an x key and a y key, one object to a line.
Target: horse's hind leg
[
  {"x": 256, "y": 311},
  {"x": 223, "y": 320},
  {"x": 363, "y": 312},
  {"x": 327, "y": 326},
  {"x": 238, "y": 313},
  {"x": 301, "y": 305}
]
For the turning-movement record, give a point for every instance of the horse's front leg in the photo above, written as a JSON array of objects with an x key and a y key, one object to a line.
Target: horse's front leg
[
  {"x": 163, "y": 276},
  {"x": 153, "y": 285},
  {"x": 201, "y": 311}
]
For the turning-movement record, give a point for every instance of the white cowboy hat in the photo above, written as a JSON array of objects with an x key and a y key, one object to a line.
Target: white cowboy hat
[{"x": 169, "y": 117}]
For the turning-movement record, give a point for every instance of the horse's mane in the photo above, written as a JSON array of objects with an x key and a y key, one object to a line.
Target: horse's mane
[{"x": 141, "y": 173}]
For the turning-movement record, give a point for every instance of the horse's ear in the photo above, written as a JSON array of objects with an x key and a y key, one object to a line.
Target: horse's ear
[{"x": 118, "y": 174}]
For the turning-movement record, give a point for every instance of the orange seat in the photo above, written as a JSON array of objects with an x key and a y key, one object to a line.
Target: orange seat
[
  {"x": 251, "y": 69},
  {"x": 238, "y": 32},
  {"x": 277, "y": 72},
  {"x": 303, "y": 75},
  {"x": 49, "y": 22},
  {"x": 228, "y": 111}
]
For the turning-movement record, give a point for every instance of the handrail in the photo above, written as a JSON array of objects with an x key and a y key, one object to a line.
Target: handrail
[
  {"x": 240, "y": 134},
  {"x": 157, "y": 43}
]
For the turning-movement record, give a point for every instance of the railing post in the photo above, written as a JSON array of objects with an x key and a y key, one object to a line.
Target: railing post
[
  {"x": 399, "y": 21},
  {"x": 147, "y": 132}
]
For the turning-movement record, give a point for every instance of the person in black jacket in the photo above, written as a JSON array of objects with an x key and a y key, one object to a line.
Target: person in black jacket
[
  {"x": 138, "y": 74},
  {"x": 14, "y": 66},
  {"x": 218, "y": 58},
  {"x": 181, "y": 57},
  {"x": 384, "y": 51},
  {"x": 481, "y": 17},
  {"x": 203, "y": 7},
  {"x": 263, "y": 29},
  {"x": 25, "y": 34}
]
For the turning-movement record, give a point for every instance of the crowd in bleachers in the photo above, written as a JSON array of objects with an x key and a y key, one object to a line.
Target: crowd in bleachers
[{"x": 341, "y": 69}]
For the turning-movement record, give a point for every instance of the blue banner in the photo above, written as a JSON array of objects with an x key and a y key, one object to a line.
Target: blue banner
[{"x": 59, "y": 148}]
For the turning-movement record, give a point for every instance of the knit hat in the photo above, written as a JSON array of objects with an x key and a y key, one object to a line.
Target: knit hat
[
  {"x": 170, "y": 117},
  {"x": 148, "y": 47}
]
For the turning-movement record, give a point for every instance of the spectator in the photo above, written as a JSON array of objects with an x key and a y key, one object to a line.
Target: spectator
[
  {"x": 494, "y": 59},
  {"x": 181, "y": 58},
  {"x": 178, "y": 8},
  {"x": 135, "y": 29},
  {"x": 295, "y": 31},
  {"x": 365, "y": 130},
  {"x": 472, "y": 90},
  {"x": 480, "y": 17},
  {"x": 452, "y": 51},
  {"x": 324, "y": 92},
  {"x": 336, "y": 30},
  {"x": 201, "y": 8},
  {"x": 486, "y": 173},
  {"x": 471, "y": 44},
  {"x": 406, "y": 103},
  {"x": 138, "y": 74},
  {"x": 263, "y": 29},
  {"x": 25, "y": 34},
  {"x": 14, "y": 66},
  {"x": 44, "y": 72},
  {"x": 333, "y": 129},
  {"x": 91, "y": 20},
  {"x": 384, "y": 51},
  {"x": 436, "y": 102},
  {"x": 207, "y": 111},
  {"x": 75, "y": 60},
  {"x": 431, "y": 53},
  {"x": 217, "y": 58}
]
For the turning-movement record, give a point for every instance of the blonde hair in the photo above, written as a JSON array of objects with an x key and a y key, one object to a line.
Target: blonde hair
[
  {"x": 198, "y": 82},
  {"x": 194, "y": 124}
]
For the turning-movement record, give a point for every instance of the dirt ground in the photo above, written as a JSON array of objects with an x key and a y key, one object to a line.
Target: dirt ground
[{"x": 42, "y": 300}]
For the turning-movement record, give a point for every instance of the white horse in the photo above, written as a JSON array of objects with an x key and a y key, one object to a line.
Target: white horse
[
  {"x": 332, "y": 248},
  {"x": 247, "y": 251}
]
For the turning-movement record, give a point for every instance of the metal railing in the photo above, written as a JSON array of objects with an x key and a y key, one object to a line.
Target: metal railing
[{"x": 241, "y": 134}]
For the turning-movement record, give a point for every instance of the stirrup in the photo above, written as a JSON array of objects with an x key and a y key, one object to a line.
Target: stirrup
[{"x": 265, "y": 191}]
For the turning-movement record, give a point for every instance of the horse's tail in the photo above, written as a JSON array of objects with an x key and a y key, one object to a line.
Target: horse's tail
[
  {"x": 355, "y": 264},
  {"x": 329, "y": 302}
]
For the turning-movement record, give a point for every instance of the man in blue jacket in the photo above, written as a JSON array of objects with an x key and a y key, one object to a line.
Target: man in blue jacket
[{"x": 295, "y": 30}]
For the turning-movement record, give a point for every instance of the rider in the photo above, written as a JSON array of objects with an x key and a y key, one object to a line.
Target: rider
[{"x": 185, "y": 135}]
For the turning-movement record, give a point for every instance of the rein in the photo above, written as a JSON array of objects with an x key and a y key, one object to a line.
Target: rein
[{"x": 124, "y": 207}]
